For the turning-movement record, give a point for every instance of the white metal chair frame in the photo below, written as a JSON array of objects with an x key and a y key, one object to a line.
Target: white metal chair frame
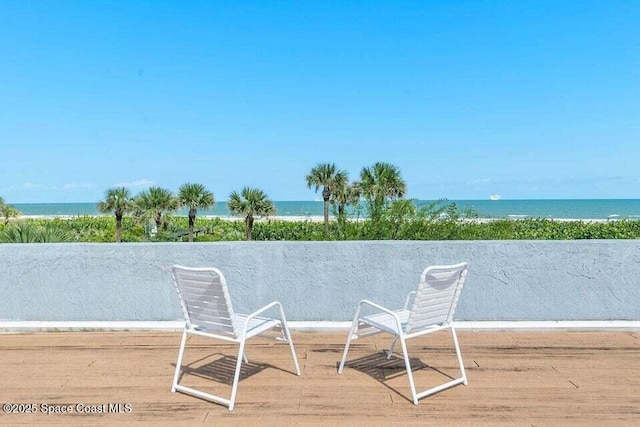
[
  {"x": 408, "y": 323},
  {"x": 236, "y": 328}
]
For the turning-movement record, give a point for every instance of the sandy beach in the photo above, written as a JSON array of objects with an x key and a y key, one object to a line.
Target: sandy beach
[{"x": 226, "y": 218}]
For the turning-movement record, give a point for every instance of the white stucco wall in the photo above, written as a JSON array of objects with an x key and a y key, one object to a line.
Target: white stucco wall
[{"x": 508, "y": 280}]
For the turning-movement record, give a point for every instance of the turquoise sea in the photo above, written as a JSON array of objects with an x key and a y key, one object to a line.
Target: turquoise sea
[{"x": 559, "y": 209}]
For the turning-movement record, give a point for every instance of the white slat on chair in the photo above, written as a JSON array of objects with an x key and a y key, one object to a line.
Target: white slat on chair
[
  {"x": 205, "y": 299},
  {"x": 436, "y": 297}
]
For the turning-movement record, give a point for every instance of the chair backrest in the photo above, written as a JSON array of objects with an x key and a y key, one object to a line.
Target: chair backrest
[
  {"x": 437, "y": 296},
  {"x": 205, "y": 299}
]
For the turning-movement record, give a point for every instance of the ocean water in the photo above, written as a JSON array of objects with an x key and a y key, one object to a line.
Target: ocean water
[{"x": 558, "y": 209}]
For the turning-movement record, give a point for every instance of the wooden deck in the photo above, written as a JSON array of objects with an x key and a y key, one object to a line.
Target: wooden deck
[{"x": 515, "y": 378}]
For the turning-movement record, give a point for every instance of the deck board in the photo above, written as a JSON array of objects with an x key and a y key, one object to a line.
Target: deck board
[{"x": 515, "y": 378}]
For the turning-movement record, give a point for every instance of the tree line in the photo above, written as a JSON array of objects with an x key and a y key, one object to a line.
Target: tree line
[
  {"x": 155, "y": 203},
  {"x": 379, "y": 185},
  {"x": 378, "y": 193}
]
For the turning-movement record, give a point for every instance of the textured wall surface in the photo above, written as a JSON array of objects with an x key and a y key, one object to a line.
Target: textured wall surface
[{"x": 508, "y": 280}]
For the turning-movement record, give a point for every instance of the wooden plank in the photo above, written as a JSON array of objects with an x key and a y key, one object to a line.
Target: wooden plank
[{"x": 522, "y": 378}]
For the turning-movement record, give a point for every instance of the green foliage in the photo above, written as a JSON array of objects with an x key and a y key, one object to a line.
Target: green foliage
[
  {"x": 195, "y": 196},
  {"x": 289, "y": 230},
  {"x": 380, "y": 184},
  {"x": 250, "y": 203},
  {"x": 401, "y": 222},
  {"x": 154, "y": 204},
  {"x": 345, "y": 195},
  {"x": 119, "y": 201},
  {"x": 8, "y": 211},
  {"x": 25, "y": 232},
  {"x": 89, "y": 229},
  {"x": 332, "y": 180}
]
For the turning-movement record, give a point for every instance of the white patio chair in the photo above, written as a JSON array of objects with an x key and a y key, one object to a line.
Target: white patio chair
[
  {"x": 432, "y": 310},
  {"x": 208, "y": 312}
]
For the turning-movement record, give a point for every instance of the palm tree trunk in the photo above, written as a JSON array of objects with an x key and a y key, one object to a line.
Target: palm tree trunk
[
  {"x": 192, "y": 220},
  {"x": 342, "y": 217},
  {"x": 158, "y": 221},
  {"x": 118, "y": 228},
  {"x": 378, "y": 206},
  {"x": 326, "y": 194},
  {"x": 249, "y": 226}
]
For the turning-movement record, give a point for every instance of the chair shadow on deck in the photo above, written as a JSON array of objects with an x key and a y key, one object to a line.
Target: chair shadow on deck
[
  {"x": 222, "y": 370},
  {"x": 378, "y": 367}
]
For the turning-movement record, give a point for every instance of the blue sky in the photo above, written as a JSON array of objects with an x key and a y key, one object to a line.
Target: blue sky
[{"x": 524, "y": 99}]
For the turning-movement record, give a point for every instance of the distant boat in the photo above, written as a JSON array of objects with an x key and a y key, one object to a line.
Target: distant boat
[{"x": 495, "y": 197}]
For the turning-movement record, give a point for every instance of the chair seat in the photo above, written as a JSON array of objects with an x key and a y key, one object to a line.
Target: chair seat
[
  {"x": 386, "y": 322},
  {"x": 256, "y": 326}
]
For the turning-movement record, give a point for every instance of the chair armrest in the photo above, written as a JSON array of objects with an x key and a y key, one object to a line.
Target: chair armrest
[
  {"x": 406, "y": 302},
  {"x": 383, "y": 309},
  {"x": 260, "y": 311}
]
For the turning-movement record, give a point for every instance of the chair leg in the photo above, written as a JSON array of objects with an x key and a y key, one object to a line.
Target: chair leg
[
  {"x": 176, "y": 375},
  {"x": 354, "y": 325},
  {"x": 285, "y": 327},
  {"x": 459, "y": 354},
  {"x": 441, "y": 387},
  {"x": 244, "y": 357},
  {"x": 407, "y": 363},
  {"x": 236, "y": 377},
  {"x": 393, "y": 344}
]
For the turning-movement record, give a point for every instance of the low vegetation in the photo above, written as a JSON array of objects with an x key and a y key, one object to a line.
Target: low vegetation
[
  {"x": 392, "y": 227},
  {"x": 7, "y": 211}
]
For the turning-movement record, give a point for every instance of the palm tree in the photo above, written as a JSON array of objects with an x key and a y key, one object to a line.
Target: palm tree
[
  {"x": 152, "y": 203},
  {"x": 119, "y": 201},
  {"x": 327, "y": 176},
  {"x": 381, "y": 182},
  {"x": 195, "y": 196},
  {"x": 343, "y": 195},
  {"x": 250, "y": 202}
]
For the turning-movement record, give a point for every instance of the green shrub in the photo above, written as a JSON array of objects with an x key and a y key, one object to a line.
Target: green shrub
[
  {"x": 400, "y": 224},
  {"x": 25, "y": 232}
]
